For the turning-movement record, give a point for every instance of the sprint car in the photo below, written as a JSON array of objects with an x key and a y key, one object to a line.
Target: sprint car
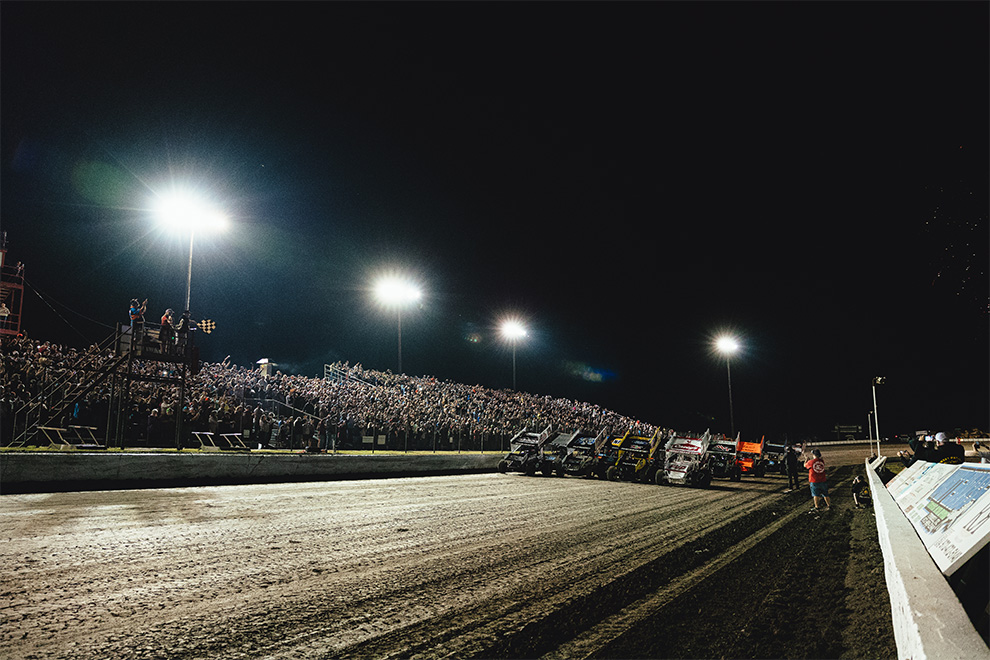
[
  {"x": 526, "y": 454},
  {"x": 634, "y": 458},
  {"x": 686, "y": 460},
  {"x": 581, "y": 453},
  {"x": 722, "y": 458}
]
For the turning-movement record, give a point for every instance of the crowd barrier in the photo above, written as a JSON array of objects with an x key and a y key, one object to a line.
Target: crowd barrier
[
  {"x": 928, "y": 619},
  {"x": 44, "y": 472}
]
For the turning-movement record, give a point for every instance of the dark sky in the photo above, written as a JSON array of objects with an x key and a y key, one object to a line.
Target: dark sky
[{"x": 629, "y": 178}]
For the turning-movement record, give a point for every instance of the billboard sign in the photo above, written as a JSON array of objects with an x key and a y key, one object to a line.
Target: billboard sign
[{"x": 949, "y": 507}]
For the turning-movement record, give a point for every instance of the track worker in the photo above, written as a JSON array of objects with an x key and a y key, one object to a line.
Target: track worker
[
  {"x": 817, "y": 480},
  {"x": 791, "y": 461}
]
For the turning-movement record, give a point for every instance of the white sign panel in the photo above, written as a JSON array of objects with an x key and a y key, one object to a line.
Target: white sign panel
[{"x": 949, "y": 506}]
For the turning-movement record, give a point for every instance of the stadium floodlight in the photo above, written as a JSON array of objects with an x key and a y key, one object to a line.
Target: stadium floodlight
[
  {"x": 398, "y": 292},
  {"x": 182, "y": 211},
  {"x": 513, "y": 330},
  {"x": 728, "y": 346}
]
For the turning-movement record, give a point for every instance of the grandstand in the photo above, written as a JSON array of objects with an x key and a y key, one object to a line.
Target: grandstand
[{"x": 130, "y": 391}]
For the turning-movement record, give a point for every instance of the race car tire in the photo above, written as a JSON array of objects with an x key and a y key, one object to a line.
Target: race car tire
[
  {"x": 547, "y": 470},
  {"x": 612, "y": 473},
  {"x": 659, "y": 478},
  {"x": 530, "y": 470},
  {"x": 503, "y": 466}
]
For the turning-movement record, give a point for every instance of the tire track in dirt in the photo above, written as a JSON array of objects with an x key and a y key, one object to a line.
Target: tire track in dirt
[{"x": 435, "y": 566}]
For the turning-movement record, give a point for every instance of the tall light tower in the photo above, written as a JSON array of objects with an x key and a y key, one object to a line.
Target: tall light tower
[
  {"x": 397, "y": 292},
  {"x": 183, "y": 211},
  {"x": 728, "y": 346},
  {"x": 877, "y": 380},
  {"x": 512, "y": 331}
]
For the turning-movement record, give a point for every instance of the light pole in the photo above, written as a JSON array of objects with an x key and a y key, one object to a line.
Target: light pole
[
  {"x": 513, "y": 331},
  {"x": 181, "y": 211},
  {"x": 877, "y": 380},
  {"x": 393, "y": 291},
  {"x": 728, "y": 346}
]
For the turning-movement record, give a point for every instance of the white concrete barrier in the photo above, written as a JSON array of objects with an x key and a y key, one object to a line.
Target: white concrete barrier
[{"x": 928, "y": 619}]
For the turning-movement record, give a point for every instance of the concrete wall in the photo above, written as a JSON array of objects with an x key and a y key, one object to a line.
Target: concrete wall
[
  {"x": 64, "y": 471},
  {"x": 929, "y": 621}
]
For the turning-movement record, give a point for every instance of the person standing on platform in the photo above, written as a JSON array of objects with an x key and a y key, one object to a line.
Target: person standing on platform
[
  {"x": 136, "y": 315},
  {"x": 818, "y": 481},
  {"x": 166, "y": 336}
]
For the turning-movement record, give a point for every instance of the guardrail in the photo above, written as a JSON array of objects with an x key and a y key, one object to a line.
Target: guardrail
[{"x": 928, "y": 619}]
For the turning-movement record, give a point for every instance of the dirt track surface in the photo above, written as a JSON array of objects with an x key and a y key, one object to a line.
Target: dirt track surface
[{"x": 463, "y": 566}]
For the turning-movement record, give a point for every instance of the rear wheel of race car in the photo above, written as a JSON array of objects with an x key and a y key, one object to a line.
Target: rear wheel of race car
[
  {"x": 503, "y": 466},
  {"x": 704, "y": 479},
  {"x": 530, "y": 470},
  {"x": 612, "y": 473},
  {"x": 736, "y": 475},
  {"x": 659, "y": 478},
  {"x": 560, "y": 471},
  {"x": 547, "y": 469}
]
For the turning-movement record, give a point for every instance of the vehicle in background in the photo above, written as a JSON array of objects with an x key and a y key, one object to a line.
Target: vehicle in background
[
  {"x": 722, "y": 458},
  {"x": 526, "y": 454},
  {"x": 634, "y": 457},
  {"x": 774, "y": 454},
  {"x": 581, "y": 451},
  {"x": 750, "y": 457},
  {"x": 686, "y": 460}
]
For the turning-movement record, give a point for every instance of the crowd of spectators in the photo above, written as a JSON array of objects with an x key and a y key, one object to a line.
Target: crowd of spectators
[
  {"x": 940, "y": 449},
  {"x": 281, "y": 410}
]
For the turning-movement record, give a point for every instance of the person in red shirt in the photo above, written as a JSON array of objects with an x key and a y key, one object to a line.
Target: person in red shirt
[{"x": 817, "y": 480}]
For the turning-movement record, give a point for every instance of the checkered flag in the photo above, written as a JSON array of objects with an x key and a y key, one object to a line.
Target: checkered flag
[{"x": 206, "y": 326}]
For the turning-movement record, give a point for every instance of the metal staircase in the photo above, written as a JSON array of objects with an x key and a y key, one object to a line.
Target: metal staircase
[{"x": 43, "y": 420}]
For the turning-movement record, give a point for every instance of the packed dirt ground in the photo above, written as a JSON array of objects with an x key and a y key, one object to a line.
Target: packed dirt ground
[{"x": 491, "y": 565}]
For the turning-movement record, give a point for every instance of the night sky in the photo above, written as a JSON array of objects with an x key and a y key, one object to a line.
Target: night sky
[{"x": 631, "y": 179}]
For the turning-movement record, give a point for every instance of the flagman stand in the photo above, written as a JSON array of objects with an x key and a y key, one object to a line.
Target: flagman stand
[
  {"x": 132, "y": 354},
  {"x": 145, "y": 357}
]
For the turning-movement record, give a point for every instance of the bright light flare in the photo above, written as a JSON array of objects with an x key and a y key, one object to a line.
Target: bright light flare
[
  {"x": 727, "y": 345},
  {"x": 185, "y": 212},
  {"x": 513, "y": 329},
  {"x": 395, "y": 291}
]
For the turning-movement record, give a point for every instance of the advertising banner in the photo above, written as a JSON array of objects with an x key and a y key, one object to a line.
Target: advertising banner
[{"x": 949, "y": 507}]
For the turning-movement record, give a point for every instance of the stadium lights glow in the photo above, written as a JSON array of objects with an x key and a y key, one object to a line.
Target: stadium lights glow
[
  {"x": 727, "y": 345},
  {"x": 396, "y": 291},
  {"x": 513, "y": 330},
  {"x": 183, "y": 211}
]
